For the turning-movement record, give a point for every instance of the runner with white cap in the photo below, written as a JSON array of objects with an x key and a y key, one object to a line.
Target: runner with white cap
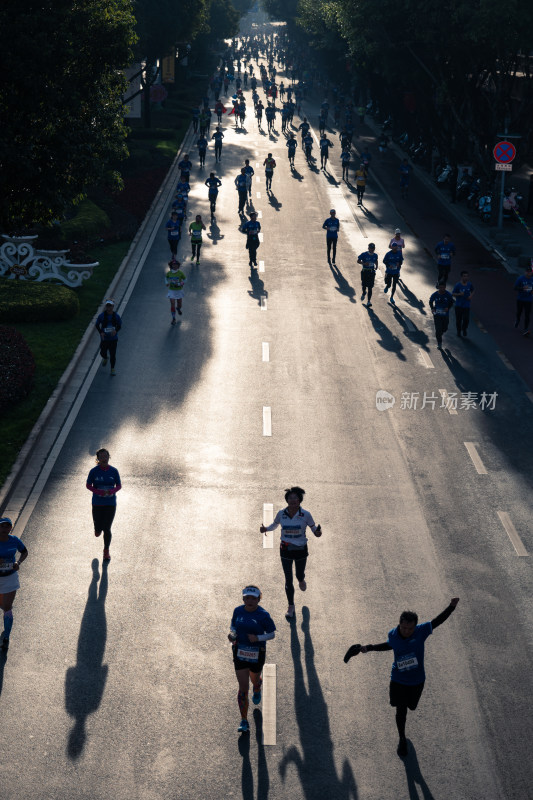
[
  {"x": 251, "y": 628},
  {"x": 397, "y": 240},
  {"x": 9, "y": 580}
]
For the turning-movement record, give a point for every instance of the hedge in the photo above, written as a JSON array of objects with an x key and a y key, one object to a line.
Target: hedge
[
  {"x": 89, "y": 222},
  {"x": 22, "y": 301},
  {"x": 151, "y": 133},
  {"x": 17, "y": 367}
]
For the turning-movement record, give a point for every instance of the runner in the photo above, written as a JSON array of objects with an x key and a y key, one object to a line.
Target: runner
[
  {"x": 218, "y": 136},
  {"x": 241, "y": 184},
  {"x": 405, "y": 173},
  {"x": 345, "y": 160},
  {"x": 219, "y": 110},
  {"x": 269, "y": 164},
  {"x": 397, "y": 240},
  {"x": 444, "y": 250},
  {"x": 175, "y": 280},
  {"x": 104, "y": 482},
  {"x": 463, "y": 291},
  {"x": 369, "y": 265},
  {"x": 524, "y": 298},
  {"x": 440, "y": 303},
  {"x": 251, "y": 628},
  {"x": 259, "y": 112},
  {"x": 408, "y": 675},
  {"x": 360, "y": 183},
  {"x": 294, "y": 521},
  {"x": 195, "y": 232},
  {"x": 185, "y": 166},
  {"x": 250, "y": 172},
  {"x": 292, "y": 144},
  {"x": 393, "y": 261},
  {"x": 201, "y": 144},
  {"x": 9, "y": 580},
  {"x": 173, "y": 227},
  {"x": 307, "y": 144},
  {"x": 108, "y": 324},
  {"x": 252, "y": 228},
  {"x": 304, "y": 127},
  {"x": 331, "y": 226},
  {"x": 324, "y": 145},
  {"x": 212, "y": 184}
]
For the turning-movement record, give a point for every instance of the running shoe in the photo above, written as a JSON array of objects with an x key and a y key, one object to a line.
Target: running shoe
[
  {"x": 97, "y": 533},
  {"x": 192, "y": 258},
  {"x": 526, "y": 332},
  {"x": 363, "y": 296},
  {"x": 5, "y": 644},
  {"x": 197, "y": 262},
  {"x": 290, "y": 612},
  {"x": 107, "y": 554},
  {"x": 369, "y": 305},
  {"x": 180, "y": 312},
  {"x": 173, "y": 321},
  {"x": 113, "y": 371},
  {"x": 392, "y": 301},
  {"x": 104, "y": 361},
  {"x": 256, "y": 698},
  {"x": 244, "y": 727},
  {"x": 302, "y": 585},
  {"x": 386, "y": 289},
  {"x": 402, "y": 748}
]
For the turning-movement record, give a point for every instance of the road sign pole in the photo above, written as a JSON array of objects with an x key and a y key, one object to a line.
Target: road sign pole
[{"x": 502, "y": 194}]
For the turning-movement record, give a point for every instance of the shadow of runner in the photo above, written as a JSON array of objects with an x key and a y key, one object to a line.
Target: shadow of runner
[
  {"x": 3, "y": 659},
  {"x": 247, "y": 778},
  {"x": 388, "y": 340},
  {"x": 414, "y": 777},
  {"x": 411, "y": 298},
  {"x": 258, "y": 286},
  {"x": 84, "y": 683},
  {"x": 315, "y": 763},
  {"x": 343, "y": 286},
  {"x": 263, "y": 781}
]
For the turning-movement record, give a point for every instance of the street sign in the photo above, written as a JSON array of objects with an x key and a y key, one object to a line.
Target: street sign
[
  {"x": 503, "y": 167},
  {"x": 504, "y": 152}
]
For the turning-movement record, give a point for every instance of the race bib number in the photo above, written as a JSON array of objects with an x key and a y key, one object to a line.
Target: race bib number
[
  {"x": 5, "y": 566},
  {"x": 441, "y": 312},
  {"x": 109, "y": 330},
  {"x": 407, "y": 662},
  {"x": 528, "y": 287},
  {"x": 248, "y": 653}
]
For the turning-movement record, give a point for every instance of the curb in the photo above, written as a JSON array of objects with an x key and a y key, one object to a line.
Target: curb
[{"x": 63, "y": 384}]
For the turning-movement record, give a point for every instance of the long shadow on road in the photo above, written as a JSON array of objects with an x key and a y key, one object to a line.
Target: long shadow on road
[
  {"x": 314, "y": 759},
  {"x": 85, "y": 683},
  {"x": 342, "y": 284},
  {"x": 414, "y": 777},
  {"x": 247, "y": 778},
  {"x": 388, "y": 340}
]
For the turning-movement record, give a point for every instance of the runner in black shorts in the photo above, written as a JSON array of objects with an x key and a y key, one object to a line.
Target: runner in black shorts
[
  {"x": 408, "y": 675},
  {"x": 294, "y": 521},
  {"x": 251, "y": 628}
]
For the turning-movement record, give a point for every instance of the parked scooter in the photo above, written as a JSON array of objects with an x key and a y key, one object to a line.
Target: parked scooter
[{"x": 484, "y": 207}]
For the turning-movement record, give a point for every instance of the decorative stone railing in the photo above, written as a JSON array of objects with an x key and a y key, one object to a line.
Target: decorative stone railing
[{"x": 19, "y": 260}]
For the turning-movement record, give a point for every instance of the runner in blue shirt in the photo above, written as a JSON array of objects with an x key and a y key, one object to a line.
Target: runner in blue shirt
[
  {"x": 218, "y": 136},
  {"x": 9, "y": 578},
  {"x": 408, "y": 675},
  {"x": 252, "y": 229},
  {"x": 463, "y": 291},
  {"x": 251, "y": 627},
  {"x": 304, "y": 128},
  {"x": 524, "y": 288},
  {"x": 307, "y": 144},
  {"x": 212, "y": 184},
  {"x": 104, "y": 482},
  {"x": 345, "y": 160},
  {"x": 108, "y": 324},
  {"x": 241, "y": 184},
  {"x": 369, "y": 265},
  {"x": 195, "y": 118},
  {"x": 324, "y": 144},
  {"x": 444, "y": 250},
  {"x": 201, "y": 144},
  {"x": 173, "y": 228},
  {"x": 331, "y": 226},
  {"x": 292, "y": 144},
  {"x": 440, "y": 303},
  {"x": 185, "y": 166},
  {"x": 405, "y": 173},
  {"x": 393, "y": 261},
  {"x": 250, "y": 172}
]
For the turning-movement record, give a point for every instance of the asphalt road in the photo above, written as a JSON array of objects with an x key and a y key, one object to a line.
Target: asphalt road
[{"x": 119, "y": 682}]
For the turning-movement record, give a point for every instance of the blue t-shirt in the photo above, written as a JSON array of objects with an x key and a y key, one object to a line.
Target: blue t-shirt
[
  {"x": 405, "y": 170},
  {"x": 408, "y": 665},
  {"x": 185, "y": 166},
  {"x": 106, "y": 322},
  {"x": 103, "y": 479},
  {"x": 332, "y": 227},
  {"x": 445, "y": 252},
  {"x": 325, "y": 144},
  {"x": 441, "y": 303},
  {"x": 393, "y": 262},
  {"x": 369, "y": 260},
  {"x": 466, "y": 290},
  {"x": 8, "y": 551},
  {"x": 201, "y": 143},
  {"x": 245, "y": 622},
  {"x": 345, "y": 157},
  {"x": 173, "y": 227},
  {"x": 525, "y": 288},
  {"x": 251, "y": 228},
  {"x": 241, "y": 183},
  {"x": 292, "y": 144}
]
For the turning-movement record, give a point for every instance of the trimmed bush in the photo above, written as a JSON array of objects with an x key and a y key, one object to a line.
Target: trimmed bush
[
  {"x": 17, "y": 367},
  {"x": 22, "y": 301},
  {"x": 151, "y": 133},
  {"x": 89, "y": 222}
]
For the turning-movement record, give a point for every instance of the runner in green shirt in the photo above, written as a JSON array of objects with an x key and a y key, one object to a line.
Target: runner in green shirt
[
  {"x": 195, "y": 232},
  {"x": 175, "y": 280}
]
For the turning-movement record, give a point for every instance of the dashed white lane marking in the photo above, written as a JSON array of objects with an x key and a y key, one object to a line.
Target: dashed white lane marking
[
  {"x": 257, "y": 179},
  {"x": 445, "y": 396},
  {"x": 258, "y": 194},
  {"x": 505, "y": 360},
  {"x": 529, "y": 396},
  {"x": 511, "y": 531},
  {"x": 269, "y": 704},
  {"x": 480, "y": 326},
  {"x": 267, "y": 421},
  {"x": 268, "y": 519},
  {"x": 260, "y": 235},
  {"x": 411, "y": 327},
  {"x": 425, "y": 359},
  {"x": 261, "y": 266},
  {"x": 259, "y": 214},
  {"x": 476, "y": 459},
  {"x": 266, "y": 351},
  {"x": 257, "y": 164},
  {"x": 263, "y": 302}
]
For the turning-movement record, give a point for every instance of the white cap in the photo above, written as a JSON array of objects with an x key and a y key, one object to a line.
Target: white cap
[
  {"x": 397, "y": 230},
  {"x": 251, "y": 591},
  {"x": 109, "y": 303}
]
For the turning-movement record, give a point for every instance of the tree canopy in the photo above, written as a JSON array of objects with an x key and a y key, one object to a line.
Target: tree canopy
[{"x": 60, "y": 102}]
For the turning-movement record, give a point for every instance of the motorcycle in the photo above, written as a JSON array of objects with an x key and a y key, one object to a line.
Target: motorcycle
[
  {"x": 484, "y": 207},
  {"x": 443, "y": 173}
]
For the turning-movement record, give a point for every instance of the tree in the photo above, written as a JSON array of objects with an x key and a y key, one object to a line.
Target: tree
[{"x": 60, "y": 103}]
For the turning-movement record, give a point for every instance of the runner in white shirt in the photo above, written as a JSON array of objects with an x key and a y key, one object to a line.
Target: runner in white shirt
[
  {"x": 294, "y": 521},
  {"x": 397, "y": 240}
]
